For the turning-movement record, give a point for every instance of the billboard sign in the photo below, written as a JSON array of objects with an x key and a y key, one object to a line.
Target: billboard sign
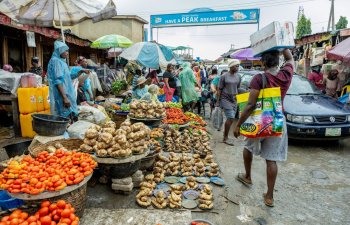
[{"x": 243, "y": 16}]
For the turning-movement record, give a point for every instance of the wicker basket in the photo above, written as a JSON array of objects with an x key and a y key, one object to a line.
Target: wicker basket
[
  {"x": 69, "y": 144},
  {"x": 118, "y": 119},
  {"x": 76, "y": 198}
]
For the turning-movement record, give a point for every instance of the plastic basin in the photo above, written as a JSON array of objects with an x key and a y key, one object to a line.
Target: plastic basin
[
  {"x": 49, "y": 125},
  {"x": 7, "y": 202},
  {"x": 19, "y": 148}
]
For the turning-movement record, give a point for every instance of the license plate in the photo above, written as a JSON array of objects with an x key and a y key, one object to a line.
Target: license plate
[{"x": 333, "y": 132}]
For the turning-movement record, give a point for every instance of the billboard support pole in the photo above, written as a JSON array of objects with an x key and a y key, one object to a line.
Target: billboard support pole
[{"x": 151, "y": 39}]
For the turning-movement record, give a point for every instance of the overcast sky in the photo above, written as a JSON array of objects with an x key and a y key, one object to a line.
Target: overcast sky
[{"x": 210, "y": 42}]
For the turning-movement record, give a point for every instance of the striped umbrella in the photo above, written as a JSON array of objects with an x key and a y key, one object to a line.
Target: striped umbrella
[
  {"x": 149, "y": 54},
  {"x": 111, "y": 41}
]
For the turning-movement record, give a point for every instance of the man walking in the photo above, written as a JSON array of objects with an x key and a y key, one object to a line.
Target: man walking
[
  {"x": 226, "y": 96},
  {"x": 272, "y": 149}
]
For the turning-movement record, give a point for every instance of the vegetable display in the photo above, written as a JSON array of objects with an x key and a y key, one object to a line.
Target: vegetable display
[
  {"x": 107, "y": 142},
  {"x": 206, "y": 198},
  {"x": 175, "y": 116},
  {"x": 60, "y": 213},
  {"x": 195, "y": 119},
  {"x": 147, "y": 110},
  {"x": 174, "y": 105},
  {"x": 119, "y": 85},
  {"x": 46, "y": 172}
]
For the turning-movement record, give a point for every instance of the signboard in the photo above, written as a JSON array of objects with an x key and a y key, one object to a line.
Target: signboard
[
  {"x": 243, "y": 16},
  {"x": 31, "y": 39}
]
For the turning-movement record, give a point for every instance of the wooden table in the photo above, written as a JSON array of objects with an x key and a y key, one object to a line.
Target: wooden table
[{"x": 15, "y": 112}]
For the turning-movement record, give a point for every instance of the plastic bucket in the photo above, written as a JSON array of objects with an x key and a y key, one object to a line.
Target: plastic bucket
[
  {"x": 49, "y": 125},
  {"x": 7, "y": 202}
]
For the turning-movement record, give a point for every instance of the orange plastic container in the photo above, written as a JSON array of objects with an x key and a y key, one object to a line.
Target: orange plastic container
[
  {"x": 27, "y": 100},
  {"x": 26, "y": 125},
  {"x": 39, "y": 94},
  {"x": 46, "y": 97}
]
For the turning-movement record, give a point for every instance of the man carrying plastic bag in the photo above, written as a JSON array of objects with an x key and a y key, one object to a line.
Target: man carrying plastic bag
[{"x": 273, "y": 148}]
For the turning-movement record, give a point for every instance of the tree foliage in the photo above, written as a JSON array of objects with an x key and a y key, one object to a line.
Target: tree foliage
[
  {"x": 303, "y": 26},
  {"x": 342, "y": 23}
]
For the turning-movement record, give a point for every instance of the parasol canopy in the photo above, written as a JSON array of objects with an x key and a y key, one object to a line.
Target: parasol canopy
[
  {"x": 112, "y": 41},
  {"x": 149, "y": 54},
  {"x": 341, "y": 52},
  {"x": 244, "y": 54}
]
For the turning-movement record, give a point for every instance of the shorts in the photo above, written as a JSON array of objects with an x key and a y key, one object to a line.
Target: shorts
[
  {"x": 269, "y": 148},
  {"x": 230, "y": 113}
]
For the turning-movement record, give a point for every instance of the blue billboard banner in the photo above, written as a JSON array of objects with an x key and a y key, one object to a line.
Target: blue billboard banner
[{"x": 242, "y": 16}]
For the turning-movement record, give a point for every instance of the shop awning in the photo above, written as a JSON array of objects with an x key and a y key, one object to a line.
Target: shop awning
[{"x": 341, "y": 52}]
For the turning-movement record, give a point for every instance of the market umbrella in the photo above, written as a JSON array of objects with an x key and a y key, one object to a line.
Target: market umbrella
[
  {"x": 149, "y": 54},
  {"x": 113, "y": 41},
  {"x": 244, "y": 54},
  {"x": 48, "y": 13},
  {"x": 114, "y": 52},
  {"x": 341, "y": 52}
]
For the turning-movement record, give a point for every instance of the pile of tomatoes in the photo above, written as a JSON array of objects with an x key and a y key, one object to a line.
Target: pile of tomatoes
[
  {"x": 59, "y": 213},
  {"x": 50, "y": 172}
]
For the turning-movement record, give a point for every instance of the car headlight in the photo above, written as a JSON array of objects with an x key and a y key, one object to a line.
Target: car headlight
[{"x": 300, "y": 119}]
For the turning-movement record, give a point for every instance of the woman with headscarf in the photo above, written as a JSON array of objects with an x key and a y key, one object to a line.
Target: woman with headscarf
[
  {"x": 62, "y": 95},
  {"x": 141, "y": 88},
  {"x": 332, "y": 83},
  {"x": 188, "y": 83}
]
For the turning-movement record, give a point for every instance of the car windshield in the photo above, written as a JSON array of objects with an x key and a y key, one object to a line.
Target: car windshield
[{"x": 302, "y": 86}]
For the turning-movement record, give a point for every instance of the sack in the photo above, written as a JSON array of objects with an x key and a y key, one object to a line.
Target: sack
[
  {"x": 218, "y": 118},
  {"x": 267, "y": 118},
  {"x": 168, "y": 96},
  {"x": 78, "y": 129}
]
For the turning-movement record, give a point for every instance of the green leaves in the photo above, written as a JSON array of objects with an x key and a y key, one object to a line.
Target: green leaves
[
  {"x": 342, "y": 23},
  {"x": 119, "y": 85},
  {"x": 303, "y": 27}
]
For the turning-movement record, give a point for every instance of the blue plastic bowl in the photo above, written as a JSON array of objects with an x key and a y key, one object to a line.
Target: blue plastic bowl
[{"x": 7, "y": 202}]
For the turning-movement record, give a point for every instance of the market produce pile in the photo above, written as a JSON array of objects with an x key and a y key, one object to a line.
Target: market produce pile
[
  {"x": 187, "y": 141},
  {"x": 60, "y": 213},
  {"x": 141, "y": 109},
  {"x": 175, "y": 116},
  {"x": 106, "y": 141},
  {"x": 195, "y": 120},
  {"x": 51, "y": 170},
  {"x": 189, "y": 166}
]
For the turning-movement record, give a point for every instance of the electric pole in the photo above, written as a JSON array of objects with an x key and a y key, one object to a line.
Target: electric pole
[{"x": 331, "y": 17}]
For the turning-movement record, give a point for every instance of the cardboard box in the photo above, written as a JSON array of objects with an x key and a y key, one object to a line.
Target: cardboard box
[{"x": 275, "y": 36}]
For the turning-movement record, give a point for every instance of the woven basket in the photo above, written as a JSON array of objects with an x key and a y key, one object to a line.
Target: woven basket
[
  {"x": 69, "y": 144},
  {"x": 76, "y": 198},
  {"x": 118, "y": 119}
]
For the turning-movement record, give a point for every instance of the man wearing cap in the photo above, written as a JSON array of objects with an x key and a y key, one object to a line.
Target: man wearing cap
[
  {"x": 226, "y": 96},
  {"x": 35, "y": 67},
  {"x": 141, "y": 88}
]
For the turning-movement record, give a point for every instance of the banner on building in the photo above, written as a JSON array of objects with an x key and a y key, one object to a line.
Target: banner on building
[
  {"x": 31, "y": 39},
  {"x": 243, "y": 16}
]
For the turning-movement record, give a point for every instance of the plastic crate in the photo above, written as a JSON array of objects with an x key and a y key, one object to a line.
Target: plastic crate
[{"x": 7, "y": 202}]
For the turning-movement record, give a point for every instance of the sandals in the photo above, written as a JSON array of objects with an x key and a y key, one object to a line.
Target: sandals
[
  {"x": 268, "y": 201},
  {"x": 241, "y": 178},
  {"x": 229, "y": 142}
]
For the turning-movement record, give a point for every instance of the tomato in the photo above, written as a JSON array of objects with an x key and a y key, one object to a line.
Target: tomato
[
  {"x": 32, "y": 219},
  {"x": 24, "y": 215},
  {"x": 14, "y": 215},
  {"x": 46, "y": 220},
  {"x": 56, "y": 218},
  {"x": 24, "y": 223},
  {"x": 33, "y": 223},
  {"x": 61, "y": 204},
  {"x": 65, "y": 220},
  {"x": 53, "y": 207},
  {"x": 3, "y": 223},
  {"x": 44, "y": 211},
  {"x": 5, "y": 218},
  {"x": 66, "y": 213},
  {"x": 74, "y": 223},
  {"x": 14, "y": 221}
]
